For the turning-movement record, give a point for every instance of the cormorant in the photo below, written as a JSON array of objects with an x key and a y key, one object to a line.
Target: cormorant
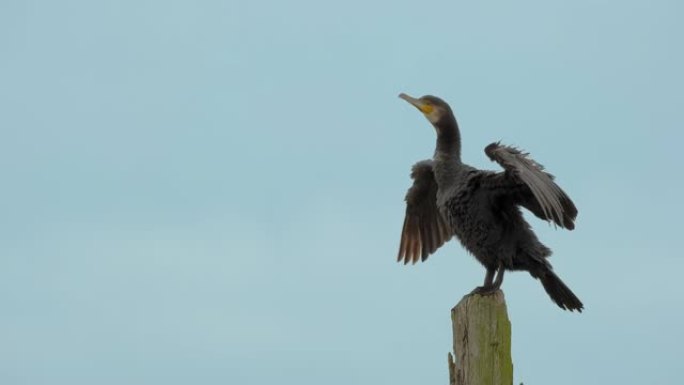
[{"x": 482, "y": 208}]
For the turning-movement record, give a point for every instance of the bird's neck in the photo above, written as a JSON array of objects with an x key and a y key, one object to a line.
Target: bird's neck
[
  {"x": 448, "y": 139},
  {"x": 447, "y": 151}
]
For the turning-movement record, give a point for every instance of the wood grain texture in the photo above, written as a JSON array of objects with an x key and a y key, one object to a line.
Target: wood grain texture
[{"x": 482, "y": 342}]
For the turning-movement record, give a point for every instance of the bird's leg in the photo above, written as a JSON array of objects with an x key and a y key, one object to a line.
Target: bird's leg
[
  {"x": 488, "y": 287},
  {"x": 499, "y": 276},
  {"x": 489, "y": 277}
]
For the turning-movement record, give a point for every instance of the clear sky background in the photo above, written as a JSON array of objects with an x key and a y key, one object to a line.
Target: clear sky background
[{"x": 211, "y": 192}]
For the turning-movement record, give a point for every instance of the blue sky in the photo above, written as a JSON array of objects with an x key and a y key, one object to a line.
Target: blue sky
[{"x": 212, "y": 192}]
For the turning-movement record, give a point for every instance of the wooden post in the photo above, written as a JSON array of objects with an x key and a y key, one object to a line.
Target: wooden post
[{"x": 482, "y": 341}]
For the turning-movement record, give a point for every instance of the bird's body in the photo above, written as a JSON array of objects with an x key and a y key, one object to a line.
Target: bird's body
[
  {"x": 482, "y": 208},
  {"x": 493, "y": 230}
]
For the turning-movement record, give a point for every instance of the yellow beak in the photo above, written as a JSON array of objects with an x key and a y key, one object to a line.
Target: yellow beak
[{"x": 424, "y": 108}]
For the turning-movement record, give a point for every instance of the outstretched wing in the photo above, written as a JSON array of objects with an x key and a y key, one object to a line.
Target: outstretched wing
[
  {"x": 530, "y": 186},
  {"x": 425, "y": 230}
]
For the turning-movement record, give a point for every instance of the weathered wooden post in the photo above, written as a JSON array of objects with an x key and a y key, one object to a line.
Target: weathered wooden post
[{"x": 482, "y": 341}]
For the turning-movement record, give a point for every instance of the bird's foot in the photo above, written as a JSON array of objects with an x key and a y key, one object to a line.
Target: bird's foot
[{"x": 485, "y": 290}]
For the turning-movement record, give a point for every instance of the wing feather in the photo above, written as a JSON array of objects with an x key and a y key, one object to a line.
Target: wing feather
[
  {"x": 525, "y": 176},
  {"x": 424, "y": 229}
]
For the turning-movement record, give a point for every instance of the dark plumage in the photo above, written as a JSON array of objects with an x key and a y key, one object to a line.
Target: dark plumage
[{"x": 482, "y": 208}]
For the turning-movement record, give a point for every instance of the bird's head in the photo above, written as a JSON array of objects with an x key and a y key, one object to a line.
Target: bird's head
[{"x": 435, "y": 109}]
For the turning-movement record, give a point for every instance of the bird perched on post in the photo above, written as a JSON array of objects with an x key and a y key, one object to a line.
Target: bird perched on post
[{"x": 482, "y": 208}]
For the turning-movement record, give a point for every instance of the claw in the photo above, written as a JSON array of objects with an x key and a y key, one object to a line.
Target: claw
[{"x": 485, "y": 290}]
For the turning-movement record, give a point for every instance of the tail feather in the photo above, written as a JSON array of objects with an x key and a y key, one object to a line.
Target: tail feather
[{"x": 559, "y": 292}]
